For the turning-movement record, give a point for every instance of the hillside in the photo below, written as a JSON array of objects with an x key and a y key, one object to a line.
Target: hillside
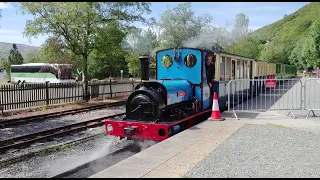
[
  {"x": 23, "y": 49},
  {"x": 292, "y": 26},
  {"x": 276, "y": 42}
]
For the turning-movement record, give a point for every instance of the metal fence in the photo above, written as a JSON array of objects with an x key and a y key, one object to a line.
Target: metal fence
[
  {"x": 249, "y": 95},
  {"x": 312, "y": 95},
  {"x": 31, "y": 95}
]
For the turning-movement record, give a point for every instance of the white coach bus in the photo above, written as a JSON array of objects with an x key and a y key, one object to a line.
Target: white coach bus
[{"x": 41, "y": 72}]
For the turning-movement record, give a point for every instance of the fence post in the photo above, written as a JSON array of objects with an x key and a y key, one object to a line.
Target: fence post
[
  {"x": 47, "y": 93},
  {"x": 132, "y": 85},
  {"x": 110, "y": 87}
]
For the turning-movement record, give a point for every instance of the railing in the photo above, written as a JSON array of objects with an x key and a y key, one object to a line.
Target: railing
[
  {"x": 312, "y": 95},
  {"x": 265, "y": 95},
  {"x": 31, "y": 95},
  {"x": 274, "y": 94}
]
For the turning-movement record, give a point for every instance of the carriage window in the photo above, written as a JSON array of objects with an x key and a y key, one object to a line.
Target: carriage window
[
  {"x": 166, "y": 61},
  {"x": 222, "y": 68},
  {"x": 238, "y": 69},
  {"x": 241, "y": 69},
  {"x": 190, "y": 60},
  {"x": 228, "y": 68}
]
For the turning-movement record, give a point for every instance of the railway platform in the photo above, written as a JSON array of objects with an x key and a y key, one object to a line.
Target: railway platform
[{"x": 195, "y": 151}]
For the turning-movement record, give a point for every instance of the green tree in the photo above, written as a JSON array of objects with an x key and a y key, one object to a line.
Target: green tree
[
  {"x": 306, "y": 52},
  {"x": 53, "y": 51},
  {"x": 32, "y": 57},
  {"x": 274, "y": 52},
  {"x": 315, "y": 44},
  {"x": 247, "y": 46},
  {"x": 104, "y": 63},
  {"x": 140, "y": 42},
  {"x": 15, "y": 56},
  {"x": 77, "y": 24},
  {"x": 241, "y": 26},
  {"x": 179, "y": 24},
  {"x": 133, "y": 63},
  {"x": 7, "y": 66}
]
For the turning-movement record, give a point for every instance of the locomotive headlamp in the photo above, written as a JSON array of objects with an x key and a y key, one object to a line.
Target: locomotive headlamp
[{"x": 109, "y": 128}]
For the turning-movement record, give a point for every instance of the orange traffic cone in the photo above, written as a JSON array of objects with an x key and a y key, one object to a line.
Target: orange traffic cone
[{"x": 215, "y": 115}]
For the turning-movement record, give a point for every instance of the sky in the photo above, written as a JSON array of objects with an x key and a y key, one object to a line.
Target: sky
[{"x": 260, "y": 14}]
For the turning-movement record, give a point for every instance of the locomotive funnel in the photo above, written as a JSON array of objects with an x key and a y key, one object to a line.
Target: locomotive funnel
[{"x": 144, "y": 60}]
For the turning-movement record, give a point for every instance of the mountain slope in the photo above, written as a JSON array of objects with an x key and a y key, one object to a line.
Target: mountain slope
[
  {"x": 291, "y": 26},
  {"x": 275, "y": 42},
  {"x": 23, "y": 49}
]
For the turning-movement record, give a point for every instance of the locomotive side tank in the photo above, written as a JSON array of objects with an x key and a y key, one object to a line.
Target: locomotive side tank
[{"x": 178, "y": 91}]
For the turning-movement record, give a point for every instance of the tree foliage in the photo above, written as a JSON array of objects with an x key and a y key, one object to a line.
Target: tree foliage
[
  {"x": 53, "y": 51},
  {"x": 289, "y": 39},
  {"x": 315, "y": 44},
  {"x": 108, "y": 58},
  {"x": 179, "y": 24},
  {"x": 247, "y": 46},
  {"x": 33, "y": 57},
  {"x": 301, "y": 53},
  {"x": 140, "y": 42},
  {"x": 15, "y": 56},
  {"x": 273, "y": 53},
  {"x": 77, "y": 24},
  {"x": 306, "y": 52},
  {"x": 7, "y": 66},
  {"x": 241, "y": 26}
]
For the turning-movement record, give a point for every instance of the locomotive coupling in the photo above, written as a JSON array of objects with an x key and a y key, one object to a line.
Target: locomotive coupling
[{"x": 129, "y": 131}]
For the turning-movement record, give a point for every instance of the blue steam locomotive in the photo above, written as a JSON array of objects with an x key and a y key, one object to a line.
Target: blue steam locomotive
[{"x": 182, "y": 92}]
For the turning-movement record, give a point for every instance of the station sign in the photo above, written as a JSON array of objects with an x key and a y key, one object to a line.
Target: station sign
[{"x": 271, "y": 83}]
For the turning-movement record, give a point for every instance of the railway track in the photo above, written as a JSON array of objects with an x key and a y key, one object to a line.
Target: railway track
[
  {"x": 24, "y": 120},
  {"x": 27, "y": 140},
  {"x": 46, "y": 150},
  {"x": 108, "y": 159}
]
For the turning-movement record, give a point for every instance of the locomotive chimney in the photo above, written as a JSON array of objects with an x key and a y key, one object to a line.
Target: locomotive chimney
[{"x": 144, "y": 60}]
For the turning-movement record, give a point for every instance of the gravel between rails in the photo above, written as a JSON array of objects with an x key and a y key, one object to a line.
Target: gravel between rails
[
  {"x": 55, "y": 163},
  {"x": 39, "y": 146},
  {"x": 263, "y": 151},
  {"x": 57, "y": 122}
]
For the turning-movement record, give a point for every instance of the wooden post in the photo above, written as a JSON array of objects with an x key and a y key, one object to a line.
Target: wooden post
[
  {"x": 47, "y": 93},
  {"x": 110, "y": 88}
]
